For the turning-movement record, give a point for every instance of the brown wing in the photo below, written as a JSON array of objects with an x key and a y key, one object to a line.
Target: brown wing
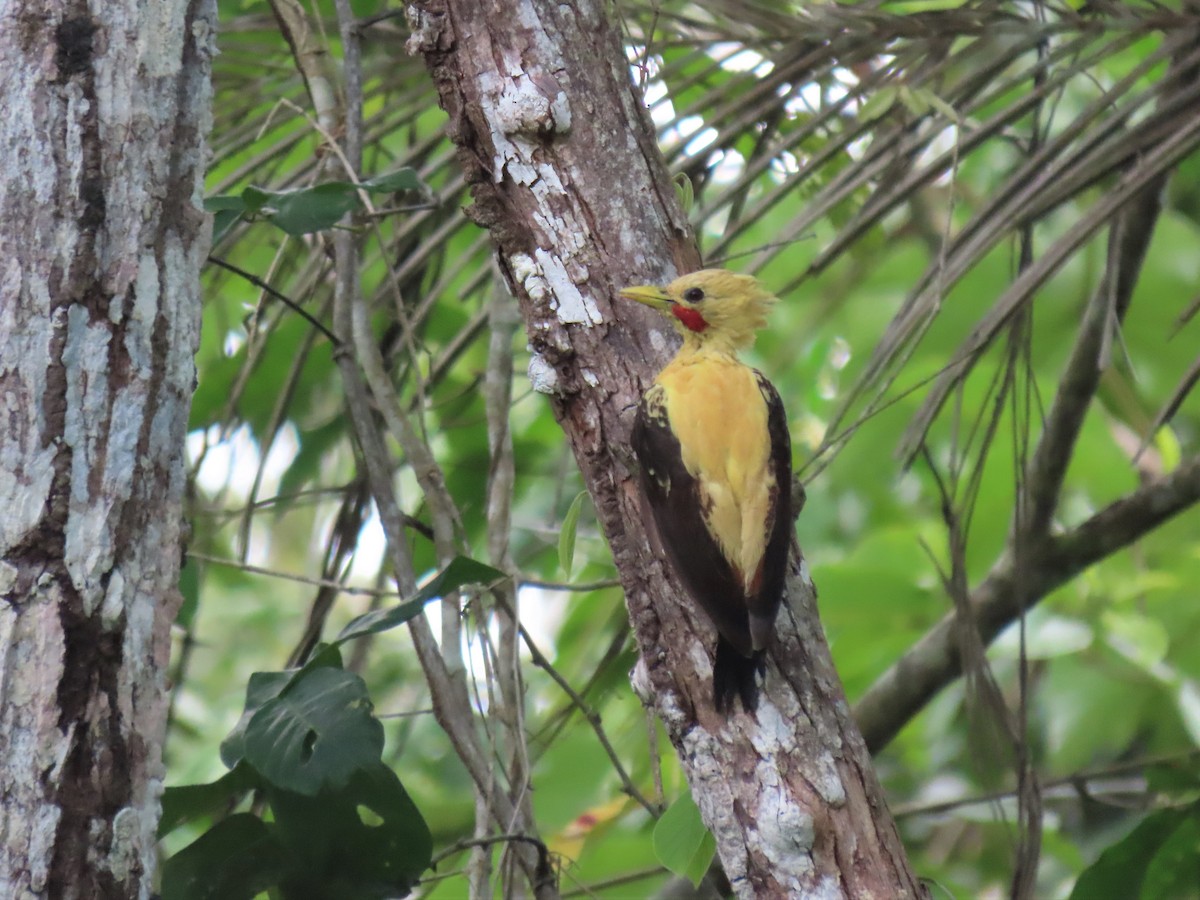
[
  {"x": 763, "y": 604},
  {"x": 675, "y": 503}
]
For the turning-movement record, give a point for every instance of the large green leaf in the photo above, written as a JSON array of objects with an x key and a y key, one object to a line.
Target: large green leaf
[
  {"x": 186, "y": 802},
  {"x": 263, "y": 687},
  {"x": 316, "y": 733},
  {"x": 364, "y": 839},
  {"x": 236, "y": 859},
  {"x": 1119, "y": 872}
]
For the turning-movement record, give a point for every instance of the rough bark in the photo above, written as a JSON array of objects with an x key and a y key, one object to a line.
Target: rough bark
[
  {"x": 101, "y": 242},
  {"x": 568, "y": 179}
]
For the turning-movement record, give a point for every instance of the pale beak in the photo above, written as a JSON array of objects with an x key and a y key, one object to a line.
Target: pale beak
[{"x": 651, "y": 296}]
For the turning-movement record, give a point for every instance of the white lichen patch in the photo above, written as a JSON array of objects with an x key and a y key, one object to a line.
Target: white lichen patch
[
  {"x": 545, "y": 279},
  {"x": 160, "y": 37},
  {"x": 805, "y": 574},
  {"x": 529, "y": 109},
  {"x": 711, "y": 791},
  {"x": 41, "y": 839},
  {"x": 124, "y": 853},
  {"x": 700, "y": 660},
  {"x": 785, "y": 831},
  {"x": 424, "y": 29},
  {"x": 828, "y": 888},
  {"x": 89, "y": 549},
  {"x": 658, "y": 341},
  {"x": 523, "y": 267},
  {"x": 8, "y": 577},
  {"x": 773, "y": 738},
  {"x": 542, "y": 376},
  {"x": 639, "y": 680},
  {"x": 825, "y": 778},
  {"x": 568, "y": 302},
  {"x": 529, "y": 105},
  {"x": 590, "y": 378},
  {"x": 773, "y": 734}
]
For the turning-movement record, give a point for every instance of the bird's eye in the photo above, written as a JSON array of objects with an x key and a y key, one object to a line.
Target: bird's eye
[{"x": 693, "y": 295}]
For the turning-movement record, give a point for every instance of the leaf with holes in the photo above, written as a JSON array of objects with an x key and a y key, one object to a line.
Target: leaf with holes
[
  {"x": 366, "y": 839},
  {"x": 191, "y": 801},
  {"x": 265, "y": 686},
  {"x": 236, "y": 859},
  {"x": 315, "y": 734}
]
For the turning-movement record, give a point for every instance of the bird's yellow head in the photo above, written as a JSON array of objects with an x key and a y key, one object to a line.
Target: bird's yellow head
[{"x": 710, "y": 308}]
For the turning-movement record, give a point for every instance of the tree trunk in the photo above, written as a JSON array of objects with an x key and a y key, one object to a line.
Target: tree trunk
[
  {"x": 569, "y": 181},
  {"x": 101, "y": 242}
]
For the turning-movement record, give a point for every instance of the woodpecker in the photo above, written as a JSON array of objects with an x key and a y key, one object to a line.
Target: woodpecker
[{"x": 712, "y": 441}]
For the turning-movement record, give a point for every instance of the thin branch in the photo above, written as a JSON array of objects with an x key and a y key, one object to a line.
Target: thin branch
[
  {"x": 934, "y": 661},
  {"x": 289, "y": 576},
  {"x": 582, "y": 587},
  {"x": 468, "y": 843},
  {"x": 593, "y": 718},
  {"x": 1129, "y": 240},
  {"x": 278, "y": 295},
  {"x": 1080, "y": 782}
]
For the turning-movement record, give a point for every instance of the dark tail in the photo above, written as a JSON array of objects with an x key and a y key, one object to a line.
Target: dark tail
[{"x": 735, "y": 675}]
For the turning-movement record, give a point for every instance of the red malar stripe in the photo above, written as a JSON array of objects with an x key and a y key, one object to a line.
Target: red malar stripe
[{"x": 691, "y": 318}]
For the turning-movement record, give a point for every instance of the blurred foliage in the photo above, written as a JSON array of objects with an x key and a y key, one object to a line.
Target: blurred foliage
[{"x": 843, "y": 179}]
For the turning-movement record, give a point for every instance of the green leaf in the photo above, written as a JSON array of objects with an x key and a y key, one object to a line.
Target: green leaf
[
  {"x": 685, "y": 191},
  {"x": 682, "y": 843},
  {"x": 261, "y": 687},
  {"x": 1175, "y": 869},
  {"x": 224, "y": 203},
  {"x": 223, "y": 222},
  {"x": 236, "y": 859},
  {"x": 227, "y": 210},
  {"x": 254, "y": 199},
  {"x": 462, "y": 570},
  {"x": 186, "y": 802},
  {"x": 305, "y": 210},
  {"x": 911, "y": 7},
  {"x": 265, "y": 686},
  {"x": 367, "y": 839},
  {"x": 566, "y": 537},
  {"x": 1119, "y": 872},
  {"x": 401, "y": 180},
  {"x": 879, "y": 103},
  {"x": 189, "y": 589},
  {"x": 316, "y": 733},
  {"x": 313, "y": 209}
]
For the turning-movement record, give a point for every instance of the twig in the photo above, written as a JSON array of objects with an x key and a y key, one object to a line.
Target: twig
[
  {"x": 1127, "y": 245},
  {"x": 468, "y": 843},
  {"x": 1077, "y": 781},
  {"x": 593, "y": 718},
  {"x": 278, "y": 295},
  {"x": 933, "y": 662},
  {"x": 290, "y": 576},
  {"x": 582, "y": 587}
]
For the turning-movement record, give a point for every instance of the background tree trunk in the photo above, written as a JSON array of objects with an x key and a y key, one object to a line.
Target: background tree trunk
[
  {"x": 101, "y": 242},
  {"x": 568, "y": 179}
]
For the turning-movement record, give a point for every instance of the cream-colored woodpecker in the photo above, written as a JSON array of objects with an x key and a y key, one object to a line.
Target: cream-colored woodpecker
[{"x": 712, "y": 439}]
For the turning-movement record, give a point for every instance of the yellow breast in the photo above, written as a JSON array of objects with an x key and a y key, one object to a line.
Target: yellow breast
[{"x": 719, "y": 416}]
